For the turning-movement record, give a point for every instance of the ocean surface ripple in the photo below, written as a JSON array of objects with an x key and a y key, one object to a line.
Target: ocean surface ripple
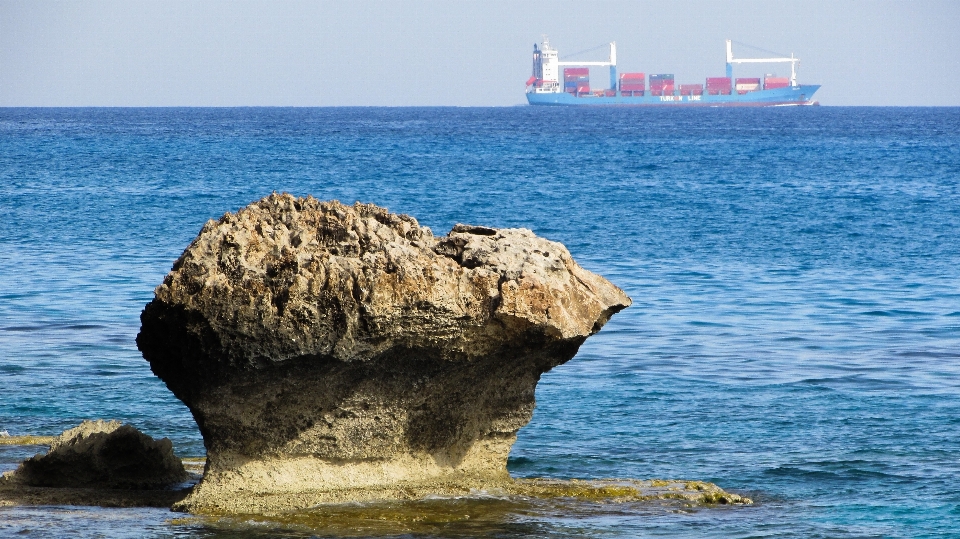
[{"x": 795, "y": 333}]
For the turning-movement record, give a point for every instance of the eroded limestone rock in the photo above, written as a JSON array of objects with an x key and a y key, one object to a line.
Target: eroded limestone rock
[
  {"x": 105, "y": 455},
  {"x": 332, "y": 352}
]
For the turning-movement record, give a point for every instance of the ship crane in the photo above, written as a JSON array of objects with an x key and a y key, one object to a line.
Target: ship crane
[
  {"x": 611, "y": 61},
  {"x": 546, "y": 68},
  {"x": 731, "y": 60}
]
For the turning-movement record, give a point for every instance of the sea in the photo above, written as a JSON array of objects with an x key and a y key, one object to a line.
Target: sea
[{"x": 795, "y": 273}]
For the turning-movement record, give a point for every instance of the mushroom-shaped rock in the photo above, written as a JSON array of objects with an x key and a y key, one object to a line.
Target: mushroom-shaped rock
[
  {"x": 103, "y": 454},
  {"x": 332, "y": 352}
]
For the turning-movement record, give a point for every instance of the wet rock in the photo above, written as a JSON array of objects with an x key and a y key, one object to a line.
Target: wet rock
[
  {"x": 105, "y": 455},
  {"x": 332, "y": 352}
]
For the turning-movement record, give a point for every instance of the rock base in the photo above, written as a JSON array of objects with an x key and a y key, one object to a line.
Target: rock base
[
  {"x": 243, "y": 485},
  {"x": 13, "y": 494},
  {"x": 283, "y": 503}
]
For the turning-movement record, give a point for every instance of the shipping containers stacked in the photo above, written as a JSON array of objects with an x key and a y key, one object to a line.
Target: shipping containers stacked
[
  {"x": 661, "y": 85},
  {"x": 772, "y": 83},
  {"x": 718, "y": 85},
  {"x": 747, "y": 85},
  {"x": 576, "y": 80},
  {"x": 691, "y": 89},
  {"x": 632, "y": 84}
]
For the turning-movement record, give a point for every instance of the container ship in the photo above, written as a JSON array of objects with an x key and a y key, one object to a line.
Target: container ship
[{"x": 631, "y": 89}]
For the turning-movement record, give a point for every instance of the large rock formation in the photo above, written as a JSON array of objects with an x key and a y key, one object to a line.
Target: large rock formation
[
  {"x": 333, "y": 352},
  {"x": 103, "y": 454}
]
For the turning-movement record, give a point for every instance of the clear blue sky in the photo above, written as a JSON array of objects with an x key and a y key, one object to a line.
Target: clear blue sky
[{"x": 452, "y": 52}]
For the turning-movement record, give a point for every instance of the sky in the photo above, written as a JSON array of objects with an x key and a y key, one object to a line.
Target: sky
[{"x": 455, "y": 52}]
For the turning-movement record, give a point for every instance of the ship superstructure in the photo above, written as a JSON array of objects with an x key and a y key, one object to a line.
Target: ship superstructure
[{"x": 556, "y": 82}]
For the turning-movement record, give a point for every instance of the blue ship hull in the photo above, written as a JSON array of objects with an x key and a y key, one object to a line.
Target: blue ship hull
[{"x": 800, "y": 95}]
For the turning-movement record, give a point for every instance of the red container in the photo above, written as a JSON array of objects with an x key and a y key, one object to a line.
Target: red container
[
  {"x": 691, "y": 89},
  {"x": 632, "y": 82},
  {"x": 718, "y": 82},
  {"x": 747, "y": 85},
  {"x": 772, "y": 83},
  {"x": 574, "y": 73}
]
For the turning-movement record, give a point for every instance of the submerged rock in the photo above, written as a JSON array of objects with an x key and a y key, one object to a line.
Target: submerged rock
[
  {"x": 103, "y": 454},
  {"x": 552, "y": 504},
  {"x": 332, "y": 352}
]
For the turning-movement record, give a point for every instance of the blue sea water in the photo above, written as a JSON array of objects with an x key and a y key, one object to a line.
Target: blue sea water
[{"x": 795, "y": 332}]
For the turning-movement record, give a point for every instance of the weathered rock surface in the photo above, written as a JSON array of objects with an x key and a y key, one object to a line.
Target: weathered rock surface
[
  {"x": 332, "y": 352},
  {"x": 104, "y": 455}
]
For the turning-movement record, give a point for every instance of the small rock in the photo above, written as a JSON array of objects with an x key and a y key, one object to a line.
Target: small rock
[{"x": 103, "y": 454}]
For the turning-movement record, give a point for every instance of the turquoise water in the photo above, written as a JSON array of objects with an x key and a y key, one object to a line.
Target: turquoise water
[{"x": 795, "y": 332}]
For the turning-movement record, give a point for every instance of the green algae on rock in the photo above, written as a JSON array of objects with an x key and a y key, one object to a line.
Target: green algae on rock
[
  {"x": 697, "y": 492},
  {"x": 27, "y": 439},
  {"x": 486, "y": 512},
  {"x": 343, "y": 353}
]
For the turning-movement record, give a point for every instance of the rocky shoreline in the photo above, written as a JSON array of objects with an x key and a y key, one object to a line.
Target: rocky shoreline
[
  {"x": 687, "y": 493},
  {"x": 109, "y": 464},
  {"x": 337, "y": 354}
]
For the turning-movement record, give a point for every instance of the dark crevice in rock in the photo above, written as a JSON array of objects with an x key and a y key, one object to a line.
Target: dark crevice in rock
[{"x": 477, "y": 230}]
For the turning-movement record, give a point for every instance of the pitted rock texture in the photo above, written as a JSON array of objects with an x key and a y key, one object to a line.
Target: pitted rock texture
[
  {"x": 103, "y": 454},
  {"x": 332, "y": 352}
]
